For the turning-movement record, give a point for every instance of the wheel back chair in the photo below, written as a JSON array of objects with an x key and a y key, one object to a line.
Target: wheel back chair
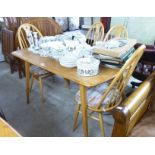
[
  {"x": 95, "y": 33},
  {"x": 36, "y": 72},
  {"x": 106, "y": 97},
  {"x": 48, "y": 27},
  {"x": 116, "y": 31}
]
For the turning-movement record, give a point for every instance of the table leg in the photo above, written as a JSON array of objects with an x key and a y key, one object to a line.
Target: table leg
[
  {"x": 84, "y": 109},
  {"x": 27, "y": 73},
  {"x": 67, "y": 83}
]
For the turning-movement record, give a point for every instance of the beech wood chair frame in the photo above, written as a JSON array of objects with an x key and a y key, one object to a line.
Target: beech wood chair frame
[
  {"x": 118, "y": 84},
  {"x": 23, "y": 43}
]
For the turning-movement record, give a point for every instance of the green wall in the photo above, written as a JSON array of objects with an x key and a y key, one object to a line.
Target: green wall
[{"x": 140, "y": 28}]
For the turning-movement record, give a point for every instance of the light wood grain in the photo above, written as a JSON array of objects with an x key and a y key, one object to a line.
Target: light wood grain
[
  {"x": 27, "y": 73},
  {"x": 116, "y": 31},
  {"x": 95, "y": 33},
  {"x": 83, "y": 94},
  {"x": 21, "y": 35},
  {"x": 116, "y": 88},
  {"x": 6, "y": 130},
  {"x": 53, "y": 66}
]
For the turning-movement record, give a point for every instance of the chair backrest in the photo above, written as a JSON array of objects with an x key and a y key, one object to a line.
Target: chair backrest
[
  {"x": 9, "y": 33},
  {"x": 46, "y": 25},
  {"x": 95, "y": 33},
  {"x": 118, "y": 84},
  {"x": 146, "y": 65},
  {"x": 116, "y": 31},
  {"x": 21, "y": 35},
  {"x": 12, "y": 23}
]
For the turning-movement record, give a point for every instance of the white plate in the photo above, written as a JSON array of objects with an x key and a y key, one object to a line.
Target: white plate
[{"x": 68, "y": 66}]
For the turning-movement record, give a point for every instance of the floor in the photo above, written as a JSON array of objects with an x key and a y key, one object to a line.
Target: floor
[{"x": 54, "y": 118}]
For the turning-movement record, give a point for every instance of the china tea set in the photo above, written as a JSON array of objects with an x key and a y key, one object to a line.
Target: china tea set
[{"x": 70, "y": 53}]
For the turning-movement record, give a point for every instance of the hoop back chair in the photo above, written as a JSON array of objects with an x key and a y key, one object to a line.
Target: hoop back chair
[
  {"x": 36, "y": 72},
  {"x": 21, "y": 34},
  {"x": 116, "y": 31},
  {"x": 107, "y": 96},
  {"x": 48, "y": 27},
  {"x": 95, "y": 33}
]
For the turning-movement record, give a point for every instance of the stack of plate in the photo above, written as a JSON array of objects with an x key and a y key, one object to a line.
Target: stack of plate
[{"x": 68, "y": 61}]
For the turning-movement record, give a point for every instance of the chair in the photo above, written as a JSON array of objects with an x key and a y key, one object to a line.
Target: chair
[
  {"x": 8, "y": 44},
  {"x": 116, "y": 31},
  {"x": 145, "y": 66},
  {"x": 136, "y": 115},
  {"x": 95, "y": 33},
  {"x": 107, "y": 96},
  {"x": 46, "y": 25},
  {"x": 12, "y": 23},
  {"x": 36, "y": 72}
]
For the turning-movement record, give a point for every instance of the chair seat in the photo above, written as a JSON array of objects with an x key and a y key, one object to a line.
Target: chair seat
[
  {"x": 146, "y": 126},
  {"x": 38, "y": 72},
  {"x": 94, "y": 95}
]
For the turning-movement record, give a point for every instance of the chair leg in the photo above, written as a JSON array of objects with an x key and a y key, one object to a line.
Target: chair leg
[
  {"x": 76, "y": 116},
  {"x": 23, "y": 69},
  {"x": 101, "y": 124},
  {"x": 67, "y": 83},
  {"x": 41, "y": 89},
  {"x": 31, "y": 83},
  {"x": 11, "y": 66},
  {"x": 19, "y": 68}
]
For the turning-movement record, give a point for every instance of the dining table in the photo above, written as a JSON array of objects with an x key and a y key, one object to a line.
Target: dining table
[{"x": 52, "y": 65}]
